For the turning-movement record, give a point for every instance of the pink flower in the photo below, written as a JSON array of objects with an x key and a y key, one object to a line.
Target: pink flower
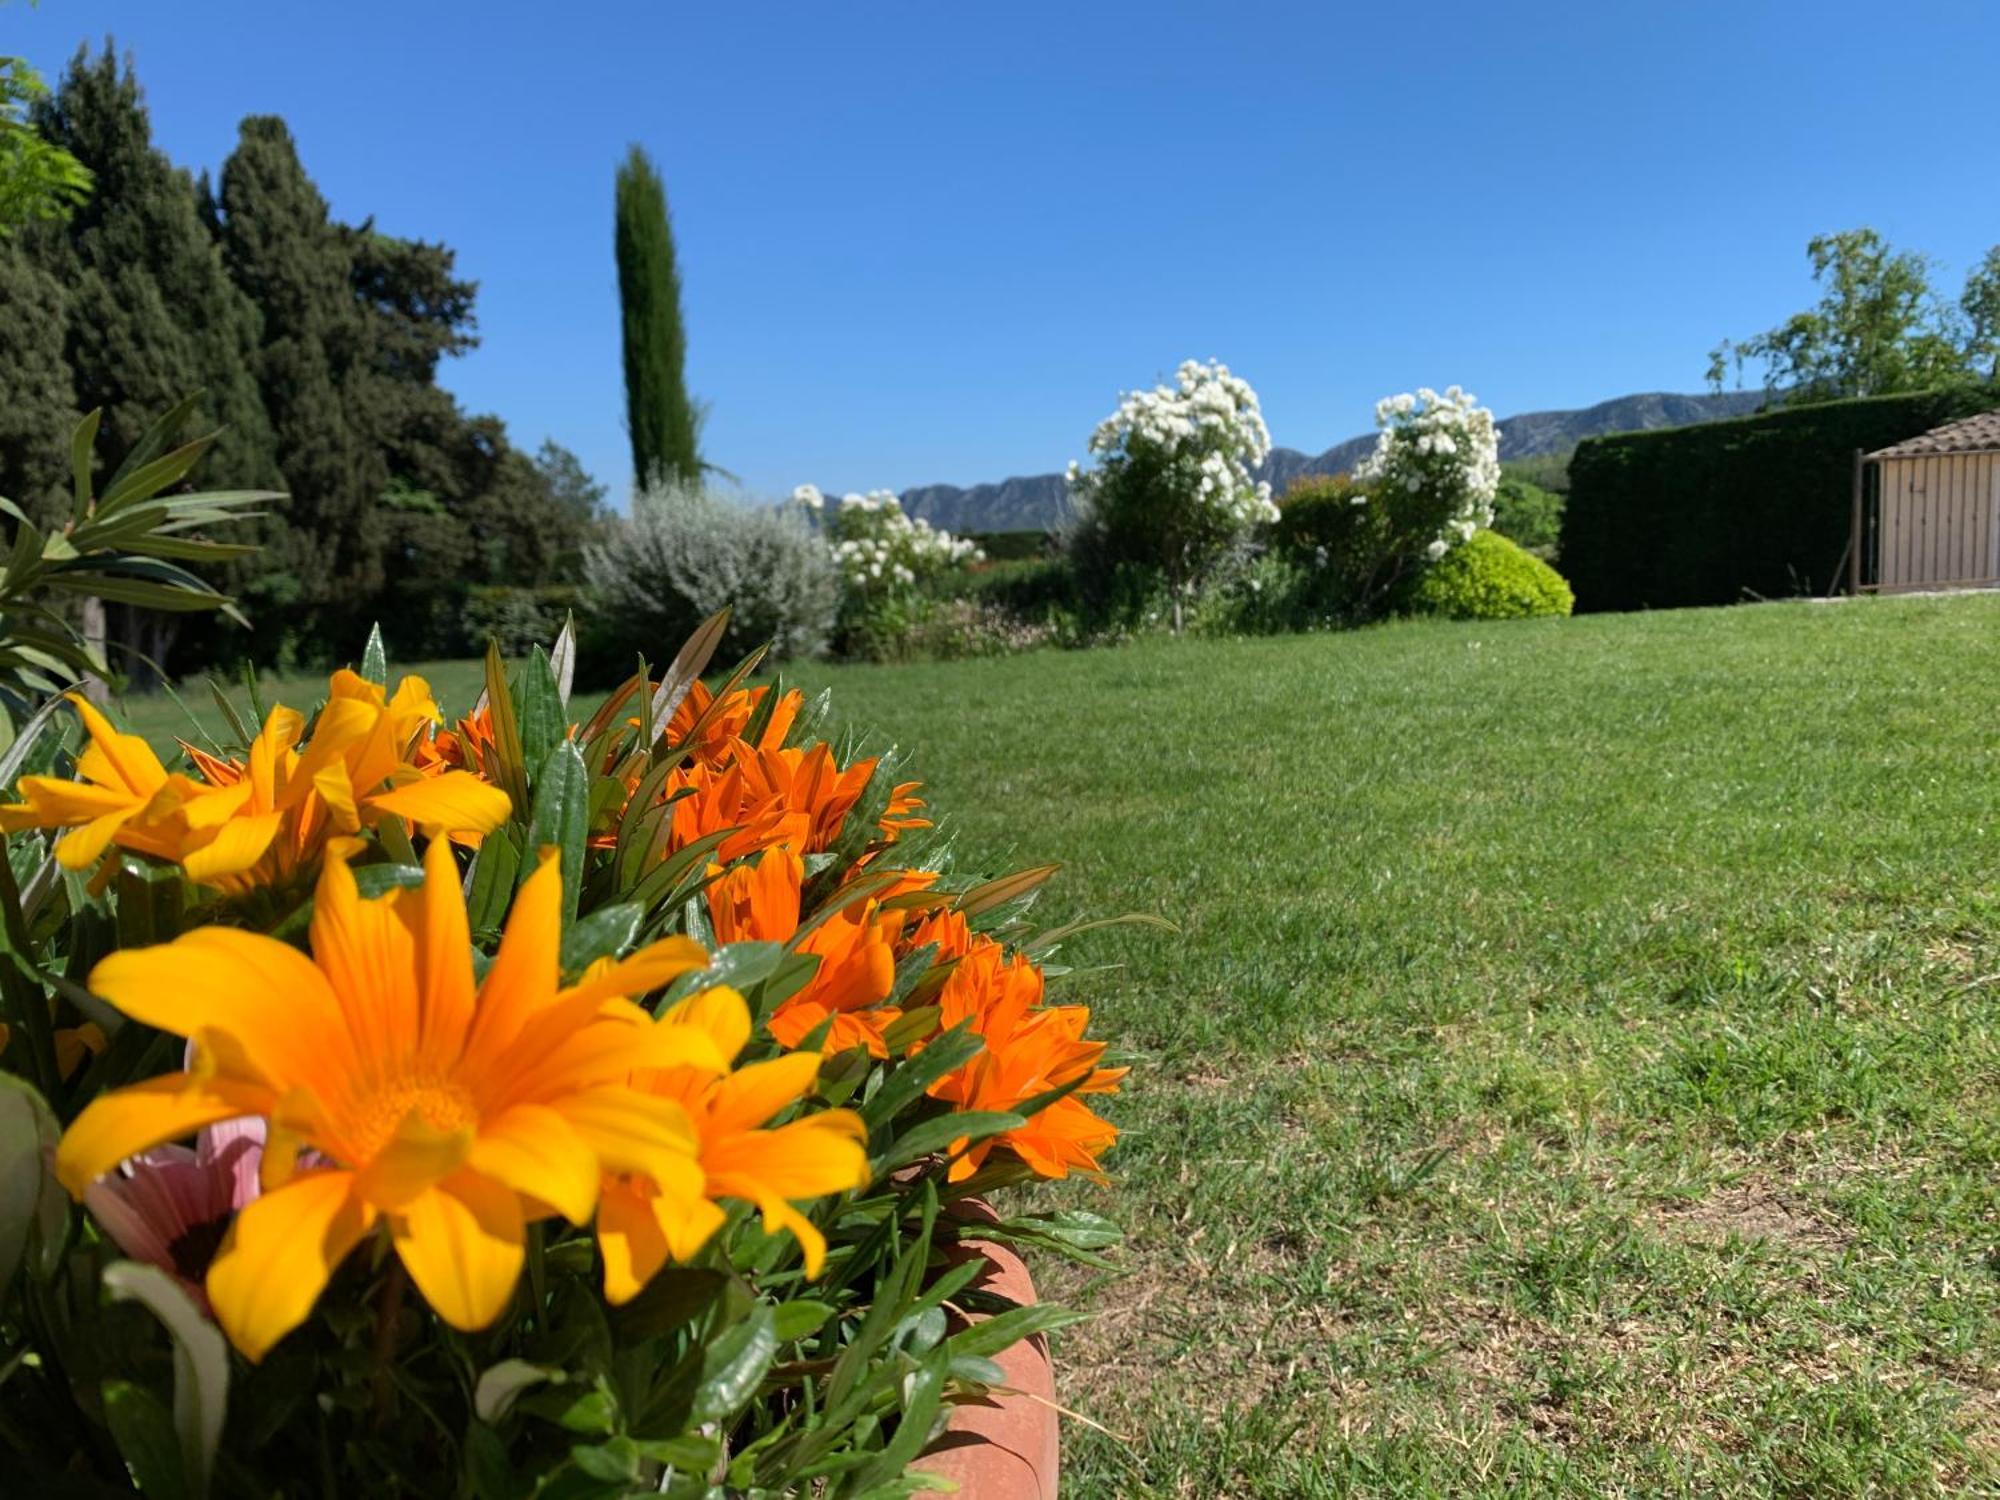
[{"x": 171, "y": 1206}]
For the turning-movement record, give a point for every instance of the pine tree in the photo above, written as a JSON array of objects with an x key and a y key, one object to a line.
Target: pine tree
[{"x": 661, "y": 418}]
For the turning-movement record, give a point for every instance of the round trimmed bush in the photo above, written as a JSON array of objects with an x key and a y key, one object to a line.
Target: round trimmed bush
[{"x": 1490, "y": 578}]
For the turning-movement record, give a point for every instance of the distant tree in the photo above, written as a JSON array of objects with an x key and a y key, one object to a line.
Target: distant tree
[
  {"x": 1878, "y": 328},
  {"x": 37, "y": 408},
  {"x": 570, "y": 484},
  {"x": 147, "y": 314},
  {"x": 295, "y": 264},
  {"x": 663, "y": 422},
  {"x": 1981, "y": 306},
  {"x": 39, "y": 181}
]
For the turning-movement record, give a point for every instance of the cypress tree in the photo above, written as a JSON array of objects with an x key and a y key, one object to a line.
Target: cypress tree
[
  {"x": 37, "y": 409},
  {"x": 150, "y": 314},
  {"x": 292, "y": 261},
  {"x": 658, "y": 413}
]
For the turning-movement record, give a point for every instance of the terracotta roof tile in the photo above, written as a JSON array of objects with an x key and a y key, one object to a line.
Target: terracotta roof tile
[{"x": 1972, "y": 435}]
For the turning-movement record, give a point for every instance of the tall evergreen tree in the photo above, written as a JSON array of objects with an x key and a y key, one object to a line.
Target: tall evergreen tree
[
  {"x": 661, "y": 418},
  {"x": 294, "y": 263},
  {"x": 150, "y": 312},
  {"x": 37, "y": 409}
]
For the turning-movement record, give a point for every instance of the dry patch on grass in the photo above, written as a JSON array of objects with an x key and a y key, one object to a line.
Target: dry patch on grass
[{"x": 1753, "y": 1209}]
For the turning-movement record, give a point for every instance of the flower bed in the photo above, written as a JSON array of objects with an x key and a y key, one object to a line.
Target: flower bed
[{"x": 580, "y": 1108}]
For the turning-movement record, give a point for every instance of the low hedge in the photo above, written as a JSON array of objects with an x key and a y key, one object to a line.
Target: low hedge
[
  {"x": 1757, "y": 506},
  {"x": 1488, "y": 577}
]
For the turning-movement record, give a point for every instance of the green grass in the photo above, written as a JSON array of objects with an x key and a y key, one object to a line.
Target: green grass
[{"x": 1574, "y": 1074}]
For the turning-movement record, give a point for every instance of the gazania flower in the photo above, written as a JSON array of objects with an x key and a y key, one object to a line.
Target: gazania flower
[
  {"x": 1030, "y": 1050},
  {"x": 643, "y": 1221},
  {"x": 729, "y": 720},
  {"x": 718, "y": 800},
  {"x": 170, "y": 1206},
  {"x": 803, "y": 782},
  {"x": 904, "y": 813},
  {"x": 451, "y": 1112},
  {"x": 857, "y": 967},
  {"x": 468, "y": 747},
  {"x": 121, "y": 794}
]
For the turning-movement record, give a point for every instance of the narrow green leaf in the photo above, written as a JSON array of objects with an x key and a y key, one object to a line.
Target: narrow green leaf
[
  {"x": 561, "y": 818},
  {"x": 511, "y": 769},
  {"x": 80, "y": 444},
  {"x": 733, "y": 1365},
  {"x": 538, "y": 706},
  {"x": 374, "y": 658},
  {"x": 145, "y": 1437},
  {"x": 928, "y": 1137}
]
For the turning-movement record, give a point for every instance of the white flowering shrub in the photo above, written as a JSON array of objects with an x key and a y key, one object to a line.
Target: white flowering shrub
[
  {"x": 1437, "y": 463},
  {"x": 1172, "y": 488},
  {"x": 1427, "y": 487},
  {"x": 885, "y": 558},
  {"x": 685, "y": 553}
]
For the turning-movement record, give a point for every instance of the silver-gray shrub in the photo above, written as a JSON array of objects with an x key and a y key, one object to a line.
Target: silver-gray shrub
[{"x": 685, "y": 553}]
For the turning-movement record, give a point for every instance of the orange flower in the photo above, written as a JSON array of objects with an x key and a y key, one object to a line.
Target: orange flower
[
  {"x": 944, "y": 927},
  {"x": 857, "y": 968},
  {"x": 1030, "y": 1049},
  {"x": 804, "y": 781},
  {"x": 715, "y": 745},
  {"x": 468, "y": 747},
  {"x": 718, "y": 800},
  {"x": 903, "y": 813},
  {"x": 644, "y": 1220}
]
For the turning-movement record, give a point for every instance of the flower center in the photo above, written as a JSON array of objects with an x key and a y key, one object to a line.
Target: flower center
[
  {"x": 440, "y": 1103},
  {"x": 195, "y": 1247}
]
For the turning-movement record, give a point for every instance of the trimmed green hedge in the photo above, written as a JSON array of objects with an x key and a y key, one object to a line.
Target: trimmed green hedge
[
  {"x": 1011, "y": 546},
  {"x": 1756, "y": 506},
  {"x": 1489, "y": 577}
]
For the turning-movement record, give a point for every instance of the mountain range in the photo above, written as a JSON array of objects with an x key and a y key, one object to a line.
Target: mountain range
[{"x": 1036, "y": 502}]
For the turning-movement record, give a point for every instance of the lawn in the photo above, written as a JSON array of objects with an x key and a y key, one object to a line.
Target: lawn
[{"x": 1572, "y": 1075}]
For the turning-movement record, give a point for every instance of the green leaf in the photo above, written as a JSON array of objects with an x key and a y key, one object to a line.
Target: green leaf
[
  {"x": 733, "y": 1365},
  {"x": 510, "y": 767},
  {"x": 162, "y": 433},
  {"x": 561, "y": 818},
  {"x": 994, "y": 893},
  {"x": 150, "y": 478},
  {"x": 80, "y": 444},
  {"x": 616, "y": 1460},
  {"x": 689, "y": 663},
  {"x": 375, "y": 659},
  {"x": 1004, "y": 1330},
  {"x": 562, "y": 658},
  {"x": 539, "y": 706},
  {"x": 201, "y": 1364},
  {"x": 378, "y": 880},
  {"x": 145, "y": 1437},
  {"x": 501, "y": 1385},
  {"x": 928, "y": 1137},
  {"x": 797, "y": 1320},
  {"x": 605, "y": 933},
  {"x": 490, "y": 882},
  {"x": 34, "y": 1209},
  {"x": 907, "y": 1083}
]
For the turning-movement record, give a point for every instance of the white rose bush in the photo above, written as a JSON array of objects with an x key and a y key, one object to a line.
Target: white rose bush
[
  {"x": 885, "y": 558},
  {"x": 1173, "y": 485},
  {"x": 1364, "y": 541}
]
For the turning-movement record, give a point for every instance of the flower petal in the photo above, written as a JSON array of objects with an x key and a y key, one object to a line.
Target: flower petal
[
  {"x": 264, "y": 995},
  {"x": 522, "y": 980},
  {"x": 237, "y": 845},
  {"x": 630, "y": 1131},
  {"x": 369, "y": 957},
  {"x": 130, "y": 1120},
  {"x": 444, "y": 958},
  {"x": 533, "y": 1150},
  {"x": 453, "y": 802},
  {"x": 629, "y": 1239},
  {"x": 719, "y": 1011},
  {"x": 642, "y": 972},
  {"x": 280, "y": 1253},
  {"x": 750, "y": 1096},
  {"x": 462, "y": 1245}
]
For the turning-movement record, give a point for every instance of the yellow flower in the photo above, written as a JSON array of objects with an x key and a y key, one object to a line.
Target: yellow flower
[
  {"x": 643, "y": 1220},
  {"x": 271, "y": 819},
  {"x": 121, "y": 793},
  {"x": 452, "y": 1113}
]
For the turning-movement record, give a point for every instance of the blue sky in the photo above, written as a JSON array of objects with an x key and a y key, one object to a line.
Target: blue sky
[{"x": 933, "y": 242}]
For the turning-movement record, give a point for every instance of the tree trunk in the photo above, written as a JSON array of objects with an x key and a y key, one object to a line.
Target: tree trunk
[{"x": 97, "y": 636}]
